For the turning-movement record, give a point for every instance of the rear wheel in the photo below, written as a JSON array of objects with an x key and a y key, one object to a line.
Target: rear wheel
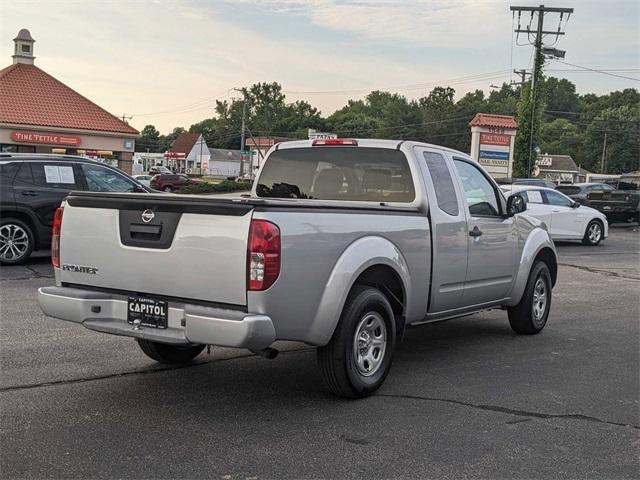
[
  {"x": 16, "y": 241},
  {"x": 530, "y": 315},
  {"x": 357, "y": 360},
  {"x": 171, "y": 354},
  {"x": 593, "y": 233}
]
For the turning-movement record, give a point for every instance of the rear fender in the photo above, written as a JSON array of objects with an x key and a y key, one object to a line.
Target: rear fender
[
  {"x": 537, "y": 240},
  {"x": 360, "y": 255}
]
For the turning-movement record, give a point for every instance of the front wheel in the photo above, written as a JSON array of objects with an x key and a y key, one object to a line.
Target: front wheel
[
  {"x": 168, "y": 189},
  {"x": 171, "y": 354},
  {"x": 530, "y": 315},
  {"x": 358, "y": 357},
  {"x": 593, "y": 233}
]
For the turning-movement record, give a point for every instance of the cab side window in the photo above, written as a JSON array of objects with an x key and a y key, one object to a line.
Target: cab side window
[
  {"x": 479, "y": 194},
  {"x": 101, "y": 179},
  {"x": 442, "y": 182},
  {"x": 557, "y": 199}
]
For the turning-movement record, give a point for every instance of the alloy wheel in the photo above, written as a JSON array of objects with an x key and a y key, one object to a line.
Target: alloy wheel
[
  {"x": 539, "y": 306},
  {"x": 14, "y": 242},
  {"x": 594, "y": 233}
]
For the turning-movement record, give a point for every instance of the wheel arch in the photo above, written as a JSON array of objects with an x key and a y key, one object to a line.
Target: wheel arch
[
  {"x": 538, "y": 246},
  {"x": 370, "y": 260}
]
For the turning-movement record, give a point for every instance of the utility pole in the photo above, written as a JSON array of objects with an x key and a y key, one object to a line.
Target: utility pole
[
  {"x": 242, "y": 134},
  {"x": 604, "y": 151},
  {"x": 523, "y": 76},
  {"x": 539, "y": 58}
]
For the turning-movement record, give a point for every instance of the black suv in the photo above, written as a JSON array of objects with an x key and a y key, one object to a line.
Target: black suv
[{"x": 32, "y": 187}]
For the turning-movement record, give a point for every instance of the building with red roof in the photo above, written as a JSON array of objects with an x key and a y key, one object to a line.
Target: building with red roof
[{"x": 39, "y": 114}]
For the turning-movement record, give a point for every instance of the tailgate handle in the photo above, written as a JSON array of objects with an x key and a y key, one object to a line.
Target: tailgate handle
[{"x": 145, "y": 231}]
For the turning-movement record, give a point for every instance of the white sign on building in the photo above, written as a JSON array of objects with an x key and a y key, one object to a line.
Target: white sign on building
[
  {"x": 492, "y": 143},
  {"x": 315, "y": 135}
]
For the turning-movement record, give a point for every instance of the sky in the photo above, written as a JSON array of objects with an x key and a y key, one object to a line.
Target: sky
[{"x": 164, "y": 62}]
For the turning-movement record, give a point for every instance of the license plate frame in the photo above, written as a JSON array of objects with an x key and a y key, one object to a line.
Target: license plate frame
[{"x": 151, "y": 312}]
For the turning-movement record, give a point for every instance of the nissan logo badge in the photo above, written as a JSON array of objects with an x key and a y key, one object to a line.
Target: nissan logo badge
[{"x": 148, "y": 215}]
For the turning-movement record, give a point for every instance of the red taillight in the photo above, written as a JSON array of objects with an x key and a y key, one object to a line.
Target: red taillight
[
  {"x": 263, "y": 255},
  {"x": 55, "y": 238},
  {"x": 334, "y": 141}
]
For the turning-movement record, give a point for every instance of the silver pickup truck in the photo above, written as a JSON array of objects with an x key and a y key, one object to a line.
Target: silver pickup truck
[{"x": 342, "y": 244}]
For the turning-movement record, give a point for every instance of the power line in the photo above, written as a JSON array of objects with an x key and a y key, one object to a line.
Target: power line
[
  {"x": 604, "y": 72},
  {"x": 193, "y": 106},
  {"x": 414, "y": 86}
]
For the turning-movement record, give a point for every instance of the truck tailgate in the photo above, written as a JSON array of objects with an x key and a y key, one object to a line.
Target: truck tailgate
[{"x": 181, "y": 247}]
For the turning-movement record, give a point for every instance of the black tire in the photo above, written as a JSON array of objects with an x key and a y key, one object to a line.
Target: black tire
[
  {"x": 524, "y": 318},
  {"x": 337, "y": 359},
  {"x": 171, "y": 354},
  {"x": 168, "y": 188},
  {"x": 593, "y": 233},
  {"x": 15, "y": 253}
]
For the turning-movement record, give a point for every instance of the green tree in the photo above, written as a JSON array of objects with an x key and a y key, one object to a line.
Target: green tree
[
  {"x": 621, "y": 125},
  {"x": 165, "y": 141},
  {"x": 561, "y": 136},
  {"x": 149, "y": 140},
  {"x": 561, "y": 96},
  {"x": 529, "y": 117}
]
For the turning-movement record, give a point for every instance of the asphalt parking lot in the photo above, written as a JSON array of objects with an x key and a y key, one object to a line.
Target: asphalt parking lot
[{"x": 465, "y": 398}]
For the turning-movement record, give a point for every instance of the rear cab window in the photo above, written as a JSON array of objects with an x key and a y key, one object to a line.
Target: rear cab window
[{"x": 363, "y": 174}]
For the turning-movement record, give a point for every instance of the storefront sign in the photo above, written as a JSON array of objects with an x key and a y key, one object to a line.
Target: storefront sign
[
  {"x": 46, "y": 138},
  {"x": 544, "y": 161},
  {"x": 490, "y": 162},
  {"x": 313, "y": 135},
  {"x": 494, "y": 155},
  {"x": 495, "y": 139}
]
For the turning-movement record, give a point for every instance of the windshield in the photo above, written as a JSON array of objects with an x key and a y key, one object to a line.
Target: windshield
[{"x": 337, "y": 173}]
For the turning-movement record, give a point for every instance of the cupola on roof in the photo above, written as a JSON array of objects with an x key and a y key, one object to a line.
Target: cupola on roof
[{"x": 23, "y": 47}]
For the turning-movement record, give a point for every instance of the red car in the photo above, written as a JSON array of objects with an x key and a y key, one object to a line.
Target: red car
[{"x": 170, "y": 183}]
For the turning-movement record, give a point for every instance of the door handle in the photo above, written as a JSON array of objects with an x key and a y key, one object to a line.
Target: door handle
[
  {"x": 30, "y": 193},
  {"x": 555, "y": 211},
  {"x": 476, "y": 232}
]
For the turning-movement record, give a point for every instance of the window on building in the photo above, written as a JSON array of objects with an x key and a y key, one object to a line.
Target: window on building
[{"x": 26, "y": 48}]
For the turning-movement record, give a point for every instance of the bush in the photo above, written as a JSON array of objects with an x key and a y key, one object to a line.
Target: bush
[{"x": 222, "y": 187}]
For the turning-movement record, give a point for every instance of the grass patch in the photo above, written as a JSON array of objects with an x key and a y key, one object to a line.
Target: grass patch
[{"x": 223, "y": 187}]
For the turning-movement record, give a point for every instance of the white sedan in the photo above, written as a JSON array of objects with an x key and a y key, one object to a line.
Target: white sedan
[
  {"x": 565, "y": 219},
  {"x": 144, "y": 179}
]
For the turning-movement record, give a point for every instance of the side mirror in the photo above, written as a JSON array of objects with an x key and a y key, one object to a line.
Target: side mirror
[
  {"x": 516, "y": 204},
  {"x": 575, "y": 205}
]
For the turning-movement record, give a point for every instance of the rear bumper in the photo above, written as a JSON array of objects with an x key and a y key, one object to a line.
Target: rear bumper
[{"x": 187, "y": 324}]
